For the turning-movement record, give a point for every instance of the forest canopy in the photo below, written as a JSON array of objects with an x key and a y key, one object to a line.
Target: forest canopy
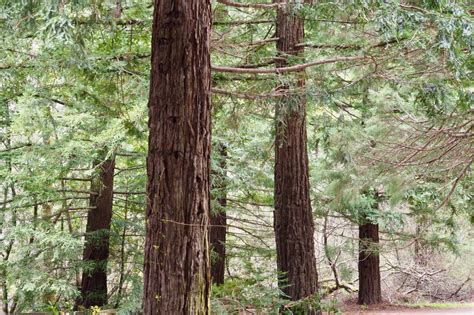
[{"x": 235, "y": 156}]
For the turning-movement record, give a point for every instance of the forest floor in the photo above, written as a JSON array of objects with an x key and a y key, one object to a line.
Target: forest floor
[{"x": 425, "y": 309}]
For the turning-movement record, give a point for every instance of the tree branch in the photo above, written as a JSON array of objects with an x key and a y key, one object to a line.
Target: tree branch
[
  {"x": 251, "y": 5},
  {"x": 295, "y": 68}
]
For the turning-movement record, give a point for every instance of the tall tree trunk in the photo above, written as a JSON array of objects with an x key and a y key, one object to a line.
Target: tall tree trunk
[
  {"x": 177, "y": 271},
  {"x": 96, "y": 250},
  {"x": 217, "y": 230},
  {"x": 369, "y": 265},
  {"x": 6, "y": 254},
  {"x": 122, "y": 256},
  {"x": 293, "y": 220},
  {"x": 7, "y": 142}
]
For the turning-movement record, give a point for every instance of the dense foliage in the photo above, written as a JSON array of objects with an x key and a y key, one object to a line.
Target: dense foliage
[{"x": 390, "y": 140}]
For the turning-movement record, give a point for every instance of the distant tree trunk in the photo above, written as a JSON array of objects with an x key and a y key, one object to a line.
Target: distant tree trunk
[
  {"x": 122, "y": 256},
  {"x": 293, "y": 220},
  {"x": 8, "y": 248},
  {"x": 48, "y": 296},
  {"x": 6, "y": 254},
  {"x": 369, "y": 265},
  {"x": 217, "y": 235},
  {"x": 419, "y": 255},
  {"x": 96, "y": 251},
  {"x": 176, "y": 269},
  {"x": 422, "y": 249}
]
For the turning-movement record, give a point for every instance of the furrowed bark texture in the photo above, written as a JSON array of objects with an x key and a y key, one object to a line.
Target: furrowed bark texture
[
  {"x": 176, "y": 269},
  {"x": 293, "y": 220},
  {"x": 369, "y": 265},
  {"x": 96, "y": 250},
  {"x": 217, "y": 231}
]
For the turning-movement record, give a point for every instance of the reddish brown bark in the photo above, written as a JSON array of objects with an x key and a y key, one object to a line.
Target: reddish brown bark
[
  {"x": 293, "y": 220},
  {"x": 369, "y": 265},
  {"x": 96, "y": 250},
  {"x": 176, "y": 270},
  {"x": 218, "y": 228}
]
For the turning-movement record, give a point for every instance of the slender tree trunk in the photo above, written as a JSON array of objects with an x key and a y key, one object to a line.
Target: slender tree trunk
[
  {"x": 293, "y": 220},
  {"x": 122, "y": 256},
  {"x": 369, "y": 265},
  {"x": 177, "y": 271},
  {"x": 420, "y": 258},
  {"x": 7, "y": 141},
  {"x": 48, "y": 296},
  {"x": 96, "y": 250},
  {"x": 217, "y": 231},
  {"x": 3, "y": 272},
  {"x": 422, "y": 250}
]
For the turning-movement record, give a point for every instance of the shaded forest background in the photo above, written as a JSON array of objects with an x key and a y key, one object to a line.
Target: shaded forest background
[{"x": 389, "y": 122}]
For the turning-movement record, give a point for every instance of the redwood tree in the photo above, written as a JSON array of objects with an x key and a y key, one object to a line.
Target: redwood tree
[
  {"x": 176, "y": 268},
  {"x": 96, "y": 250},
  {"x": 369, "y": 264},
  {"x": 293, "y": 220},
  {"x": 218, "y": 228}
]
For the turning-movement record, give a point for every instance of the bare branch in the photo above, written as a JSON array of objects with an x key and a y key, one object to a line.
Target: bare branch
[
  {"x": 295, "y": 68},
  {"x": 251, "y": 5}
]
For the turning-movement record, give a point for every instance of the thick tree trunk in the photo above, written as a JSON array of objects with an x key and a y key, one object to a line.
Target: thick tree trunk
[
  {"x": 293, "y": 220},
  {"x": 177, "y": 271},
  {"x": 217, "y": 230},
  {"x": 369, "y": 265},
  {"x": 96, "y": 251}
]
